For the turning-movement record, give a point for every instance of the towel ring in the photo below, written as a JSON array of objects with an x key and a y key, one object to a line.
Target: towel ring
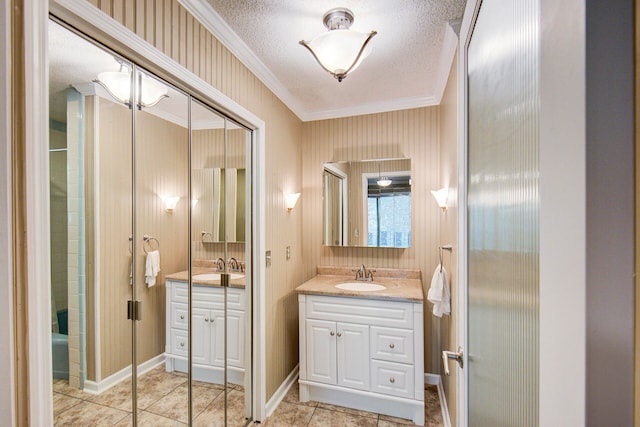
[
  {"x": 444, "y": 248},
  {"x": 147, "y": 240}
]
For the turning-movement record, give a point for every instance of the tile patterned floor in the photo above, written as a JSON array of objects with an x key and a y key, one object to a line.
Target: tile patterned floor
[
  {"x": 293, "y": 413},
  {"x": 162, "y": 401}
]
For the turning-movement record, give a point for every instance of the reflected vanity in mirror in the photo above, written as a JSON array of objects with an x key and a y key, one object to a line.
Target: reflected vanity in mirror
[{"x": 367, "y": 203}]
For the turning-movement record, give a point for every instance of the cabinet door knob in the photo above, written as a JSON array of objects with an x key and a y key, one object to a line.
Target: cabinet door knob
[
  {"x": 392, "y": 380},
  {"x": 182, "y": 344},
  {"x": 392, "y": 345},
  {"x": 206, "y": 319},
  {"x": 182, "y": 316},
  {"x": 332, "y": 333},
  {"x": 339, "y": 334}
]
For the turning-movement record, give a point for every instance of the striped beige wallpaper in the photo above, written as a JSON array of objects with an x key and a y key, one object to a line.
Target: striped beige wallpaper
[
  {"x": 414, "y": 134},
  {"x": 161, "y": 169}
]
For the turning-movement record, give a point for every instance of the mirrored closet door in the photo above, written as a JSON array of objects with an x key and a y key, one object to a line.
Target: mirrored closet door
[{"x": 150, "y": 246}]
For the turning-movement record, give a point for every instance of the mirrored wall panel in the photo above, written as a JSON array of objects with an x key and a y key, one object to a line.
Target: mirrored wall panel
[
  {"x": 367, "y": 203},
  {"x": 151, "y": 247}
]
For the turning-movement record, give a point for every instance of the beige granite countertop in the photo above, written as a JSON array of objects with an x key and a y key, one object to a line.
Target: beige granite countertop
[
  {"x": 401, "y": 284},
  {"x": 183, "y": 276}
]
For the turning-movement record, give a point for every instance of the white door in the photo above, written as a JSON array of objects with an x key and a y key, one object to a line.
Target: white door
[
  {"x": 216, "y": 349},
  {"x": 353, "y": 355},
  {"x": 500, "y": 210},
  {"x": 235, "y": 341},
  {"x": 200, "y": 335},
  {"x": 321, "y": 351}
]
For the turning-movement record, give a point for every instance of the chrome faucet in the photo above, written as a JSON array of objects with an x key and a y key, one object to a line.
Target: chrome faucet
[
  {"x": 220, "y": 264},
  {"x": 233, "y": 264},
  {"x": 363, "y": 274}
]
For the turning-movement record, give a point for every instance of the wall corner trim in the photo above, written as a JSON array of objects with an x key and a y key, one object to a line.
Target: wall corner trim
[{"x": 433, "y": 379}]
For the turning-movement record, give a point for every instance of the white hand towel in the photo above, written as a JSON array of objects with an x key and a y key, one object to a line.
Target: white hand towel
[
  {"x": 439, "y": 294},
  {"x": 152, "y": 268}
]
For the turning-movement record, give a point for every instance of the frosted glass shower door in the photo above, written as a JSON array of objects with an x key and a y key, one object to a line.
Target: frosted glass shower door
[{"x": 503, "y": 215}]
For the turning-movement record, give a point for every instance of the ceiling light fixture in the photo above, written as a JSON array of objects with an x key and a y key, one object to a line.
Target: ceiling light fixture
[
  {"x": 118, "y": 85},
  {"x": 382, "y": 181},
  {"x": 339, "y": 50}
]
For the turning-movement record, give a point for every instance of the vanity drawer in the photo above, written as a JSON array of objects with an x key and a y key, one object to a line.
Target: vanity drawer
[
  {"x": 394, "y": 345},
  {"x": 390, "y": 378},
  {"x": 179, "y": 315},
  {"x": 360, "y": 310},
  {"x": 208, "y": 296},
  {"x": 179, "y": 342}
]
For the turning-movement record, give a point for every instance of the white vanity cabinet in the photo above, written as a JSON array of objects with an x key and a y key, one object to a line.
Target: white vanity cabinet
[
  {"x": 207, "y": 329},
  {"x": 363, "y": 353}
]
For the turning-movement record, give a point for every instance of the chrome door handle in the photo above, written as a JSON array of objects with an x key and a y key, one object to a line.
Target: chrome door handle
[{"x": 457, "y": 356}]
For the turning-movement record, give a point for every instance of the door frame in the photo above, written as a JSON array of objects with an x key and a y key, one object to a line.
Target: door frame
[
  {"x": 462, "y": 379},
  {"x": 94, "y": 22}
]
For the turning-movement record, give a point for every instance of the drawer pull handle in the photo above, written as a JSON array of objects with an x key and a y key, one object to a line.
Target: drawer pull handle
[
  {"x": 182, "y": 317},
  {"x": 339, "y": 334},
  {"x": 392, "y": 345},
  {"x": 182, "y": 344},
  {"x": 392, "y": 380},
  {"x": 332, "y": 333}
]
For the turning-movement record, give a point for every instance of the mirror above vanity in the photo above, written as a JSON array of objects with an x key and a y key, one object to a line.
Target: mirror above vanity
[
  {"x": 367, "y": 203},
  {"x": 219, "y": 190}
]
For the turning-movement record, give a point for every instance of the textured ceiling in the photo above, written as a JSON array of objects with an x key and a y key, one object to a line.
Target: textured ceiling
[{"x": 405, "y": 60}]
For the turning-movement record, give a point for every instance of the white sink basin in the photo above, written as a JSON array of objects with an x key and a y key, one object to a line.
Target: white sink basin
[
  {"x": 216, "y": 276},
  {"x": 360, "y": 286}
]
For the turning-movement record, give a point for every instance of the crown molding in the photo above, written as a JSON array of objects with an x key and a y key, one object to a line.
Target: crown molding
[
  {"x": 213, "y": 22},
  {"x": 373, "y": 108},
  {"x": 448, "y": 52}
]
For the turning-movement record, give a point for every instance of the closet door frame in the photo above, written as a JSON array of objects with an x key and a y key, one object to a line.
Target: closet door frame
[{"x": 95, "y": 24}]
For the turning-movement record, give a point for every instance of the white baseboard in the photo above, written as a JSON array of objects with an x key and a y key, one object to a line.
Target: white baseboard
[
  {"x": 433, "y": 379},
  {"x": 281, "y": 392},
  {"x": 97, "y": 387}
]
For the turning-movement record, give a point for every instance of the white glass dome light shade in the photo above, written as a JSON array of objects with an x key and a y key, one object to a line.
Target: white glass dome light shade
[
  {"x": 340, "y": 51},
  {"x": 152, "y": 91},
  {"x": 117, "y": 83}
]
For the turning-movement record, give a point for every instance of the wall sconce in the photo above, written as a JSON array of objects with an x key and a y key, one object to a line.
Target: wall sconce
[
  {"x": 441, "y": 197},
  {"x": 290, "y": 200},
  {"x": 170, "y": 202}
]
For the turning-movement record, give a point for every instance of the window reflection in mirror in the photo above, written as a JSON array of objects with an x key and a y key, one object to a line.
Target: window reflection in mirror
[{"x": 367, "y": 203}]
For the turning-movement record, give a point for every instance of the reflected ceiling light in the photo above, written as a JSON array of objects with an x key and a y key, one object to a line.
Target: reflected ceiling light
[
  {"x": 441, "y": 197},
  {"x": 383, "y": 181},
  {"x": 290, "y": 200},
  {"x": 339, "y": 50},
  {"x": 118, "y": 85}
]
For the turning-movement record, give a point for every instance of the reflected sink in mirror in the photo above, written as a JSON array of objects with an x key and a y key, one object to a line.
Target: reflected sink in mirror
[
  {"x": 360, "y": 286},
  {"x": 216, "y": 276}
]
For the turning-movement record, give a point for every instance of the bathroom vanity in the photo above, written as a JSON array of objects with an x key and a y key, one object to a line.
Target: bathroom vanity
[
  {"x": 362, "y": 346},
  {"x": 207, "y": 327}
]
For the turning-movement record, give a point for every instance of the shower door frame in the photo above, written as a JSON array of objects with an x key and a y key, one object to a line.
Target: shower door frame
[{"x": 101, "y": 27}]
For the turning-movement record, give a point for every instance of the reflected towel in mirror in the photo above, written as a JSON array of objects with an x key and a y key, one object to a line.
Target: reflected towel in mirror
[
  {"x": 439, "y": 294},
  {"x": 152, "y": 268}
]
